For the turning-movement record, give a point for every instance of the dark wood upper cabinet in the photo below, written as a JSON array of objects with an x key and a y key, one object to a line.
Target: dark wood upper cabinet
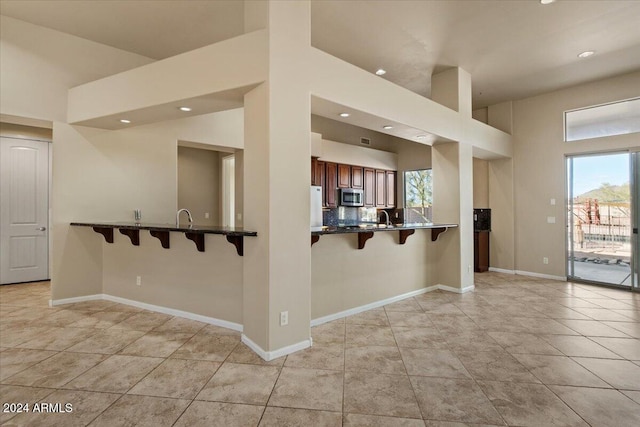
[
  {"x": 320, "y": 171},
  {"x": 356, "y": 177},
  {"x": 317, "y": 172},
  {"x": 331, "y": 179},
  {"x": 381, "y": 189},
  {"x": 314, "y": 166},
  {"x": 379, "y": 186},
  {"x": 344, "y": 176},
  {"x": 369, "y": 187},
  {"x": 318, "y": 177},
  {"x": 391, "y": 189}
]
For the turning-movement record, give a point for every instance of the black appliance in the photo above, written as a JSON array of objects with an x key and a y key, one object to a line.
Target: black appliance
[{"x": 482, "y": 219}]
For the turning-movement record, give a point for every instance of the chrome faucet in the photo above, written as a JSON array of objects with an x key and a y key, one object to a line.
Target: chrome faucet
[
  {"x": 387, "y": 223},
  {"x": 178, "y": 217}
]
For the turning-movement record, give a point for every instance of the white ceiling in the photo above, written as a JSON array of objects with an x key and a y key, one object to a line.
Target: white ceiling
[{"x": 513, "y": 49}]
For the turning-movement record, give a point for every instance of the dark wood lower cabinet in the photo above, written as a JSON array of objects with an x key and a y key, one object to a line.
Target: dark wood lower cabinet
[{"x": 480, "y": 251}]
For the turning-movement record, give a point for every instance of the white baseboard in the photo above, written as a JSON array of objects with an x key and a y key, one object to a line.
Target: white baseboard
[
  {"x": 528, "y": 273},
  {"x": 456, "y": 290},
  {"x": 542, "y": 276},
  {"x": 175, "y": 312},
  {"x": 271, "y": 355},
  {"x": 55, "y": 302},
  {"x": 502, "y": 270},
  {"x": 360, "y": 309},
  {"x": 151, "y": 307}
]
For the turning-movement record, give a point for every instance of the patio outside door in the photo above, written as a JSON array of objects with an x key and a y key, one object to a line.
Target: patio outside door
[{"x": 602, "y": 217}]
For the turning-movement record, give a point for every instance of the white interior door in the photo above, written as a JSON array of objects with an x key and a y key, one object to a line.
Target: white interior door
[{"x": 24, "y": 206}]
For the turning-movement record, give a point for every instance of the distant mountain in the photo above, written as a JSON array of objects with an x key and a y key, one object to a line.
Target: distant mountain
[{"x": 608, "y": 193}]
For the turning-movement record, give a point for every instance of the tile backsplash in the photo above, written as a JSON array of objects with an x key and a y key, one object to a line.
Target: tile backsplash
[{"x": 345, "y": 215}]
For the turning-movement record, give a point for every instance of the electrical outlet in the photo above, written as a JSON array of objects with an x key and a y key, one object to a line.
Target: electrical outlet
[
  {"x": 139, "y": 280},
  {"x": 206, "y": 215},
  {"x": 284, "y": 318},
  {"x": 470, "y": 269},
  {"x": 551, "y": 219},
  {"x": 545, "y": 260}
]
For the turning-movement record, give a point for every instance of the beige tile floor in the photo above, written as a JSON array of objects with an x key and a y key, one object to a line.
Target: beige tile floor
[{"x": 517, "y": 351}]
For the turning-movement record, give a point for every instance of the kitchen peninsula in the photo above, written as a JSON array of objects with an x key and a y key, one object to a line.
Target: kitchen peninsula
[{"x": 399, "y": 261}]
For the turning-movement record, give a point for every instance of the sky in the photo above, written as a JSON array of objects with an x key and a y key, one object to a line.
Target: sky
[{"x": 589, "y": 172}]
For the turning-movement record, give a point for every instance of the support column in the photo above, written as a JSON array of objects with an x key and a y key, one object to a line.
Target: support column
[
  {"x": 452, "y": 165},
  {"x": 452, "y": 88},
  {"x": 501, "y": 202},
  {"x": 277, "y": 264}
]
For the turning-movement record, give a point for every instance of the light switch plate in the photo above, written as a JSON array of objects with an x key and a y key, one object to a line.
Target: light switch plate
[{"x": 551, "y": 219}]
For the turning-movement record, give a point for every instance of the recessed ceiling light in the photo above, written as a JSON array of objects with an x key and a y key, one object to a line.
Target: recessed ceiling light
[
  {"x": 387, "y": 127},
  {"x": 344, "y": 114},
  {"x": 185, "y": 108},
  {"x": 125, "y": 121},
  {"x": 547, "y": 1},
  {"x": 421, "y": 136},
  {"x": 586, "y": 54},
  {"x": 380, "y": 72}
]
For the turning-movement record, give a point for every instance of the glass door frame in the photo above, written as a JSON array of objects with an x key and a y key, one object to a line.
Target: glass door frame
[
  {"x": 634, "y": 181},
  {"x": 634, "y": 172}
]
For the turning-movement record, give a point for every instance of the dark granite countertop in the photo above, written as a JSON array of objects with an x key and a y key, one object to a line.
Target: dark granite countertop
[
  {"x": 364, "y": 228},
  {"x": 184, "y": 228}
]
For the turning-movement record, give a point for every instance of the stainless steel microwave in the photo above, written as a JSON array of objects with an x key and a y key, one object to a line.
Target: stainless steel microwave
[{"x": 351, "y": 197}]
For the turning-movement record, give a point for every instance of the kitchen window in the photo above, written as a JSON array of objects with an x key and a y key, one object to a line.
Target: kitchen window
[{"x": 418, "y": 195}]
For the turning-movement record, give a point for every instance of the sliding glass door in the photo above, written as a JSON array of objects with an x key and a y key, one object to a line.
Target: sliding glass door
[{"x": 602, "y": 217}]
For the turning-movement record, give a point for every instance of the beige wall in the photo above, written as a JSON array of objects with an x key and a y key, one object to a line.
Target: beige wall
[
  {"x": 539, "y": 166},
  {"x": 480, "y": 183},
  {"x": 39, "y": 65},
  {"x": 345, "y": 277},
  {"x": 361, "y": 156},
  {"x": 334, "y": 130},
  {"x": 26, "y": 132},
  {"x": 199, "y": 184}
]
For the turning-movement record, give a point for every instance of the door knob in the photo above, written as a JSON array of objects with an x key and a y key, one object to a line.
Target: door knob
[{"x": 41, "y": 228}]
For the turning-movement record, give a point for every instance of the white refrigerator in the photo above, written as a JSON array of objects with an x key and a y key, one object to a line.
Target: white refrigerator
[{"x": 316, "y": 206}]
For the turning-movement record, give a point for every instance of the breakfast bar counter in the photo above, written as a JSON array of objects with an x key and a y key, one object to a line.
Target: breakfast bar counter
[
  {"x": 366, "y": 231},
  {"x": 192, "y": 232}
]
